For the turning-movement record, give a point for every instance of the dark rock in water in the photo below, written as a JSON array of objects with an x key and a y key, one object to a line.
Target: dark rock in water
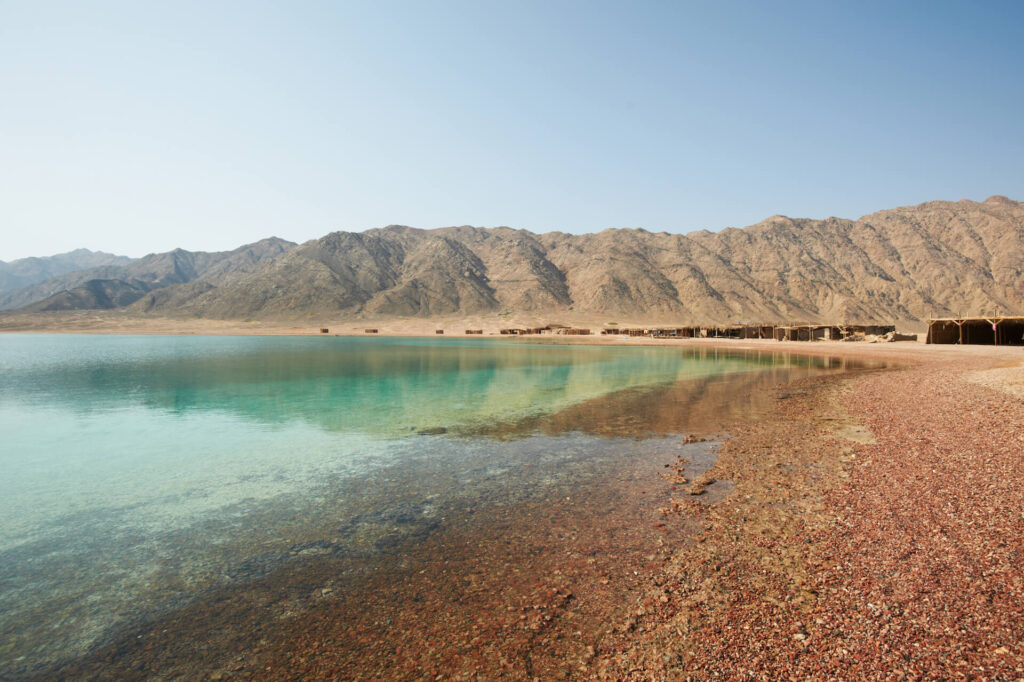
[
  {"x": 433, "y": 431},
  {"x": 410, "y": 533}
]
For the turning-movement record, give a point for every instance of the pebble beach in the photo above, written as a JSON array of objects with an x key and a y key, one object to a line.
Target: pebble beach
[
  {"x": 877, "y": 532},
  {"x": 859, "y": 525}
]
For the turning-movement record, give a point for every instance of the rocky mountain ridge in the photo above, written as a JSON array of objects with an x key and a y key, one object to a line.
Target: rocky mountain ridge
[
  {"x": 24, "y": 272},
  {"x": 911, "y": 263},
  {"x": 119, "y": 285}
]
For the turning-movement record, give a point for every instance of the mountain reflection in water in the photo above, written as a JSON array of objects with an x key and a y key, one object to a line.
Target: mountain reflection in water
[{"x": 150, "y": 478}]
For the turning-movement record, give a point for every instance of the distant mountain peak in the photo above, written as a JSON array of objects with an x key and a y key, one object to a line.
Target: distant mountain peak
[
  {"x": 103, "y": 281},
  {"x": 1000, "y": 199},
  {"x": 26, "y": 272}
]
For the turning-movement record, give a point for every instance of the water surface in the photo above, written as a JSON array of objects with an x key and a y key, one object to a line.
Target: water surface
[{"x": 142, "y": 472}]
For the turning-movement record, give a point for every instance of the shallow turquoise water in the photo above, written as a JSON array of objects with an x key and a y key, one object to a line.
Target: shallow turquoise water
[
  {"x": 170, "y": 426},
  {"x": 134, "y": 462}
]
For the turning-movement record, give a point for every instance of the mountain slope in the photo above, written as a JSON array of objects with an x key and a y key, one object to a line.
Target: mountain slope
[
  {"x": 24, "y": 272},
  {"x": 910, "y": 263},
  {"x": 90, "y": 289}
]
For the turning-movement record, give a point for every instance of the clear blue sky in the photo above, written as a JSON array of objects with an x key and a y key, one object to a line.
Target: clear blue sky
[{"x": 142, "y": 126}]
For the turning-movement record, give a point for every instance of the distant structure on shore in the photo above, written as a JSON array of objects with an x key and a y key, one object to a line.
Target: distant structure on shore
[
  {"x": 779, "y": 332},
  {"x": 989, "y": 331}
]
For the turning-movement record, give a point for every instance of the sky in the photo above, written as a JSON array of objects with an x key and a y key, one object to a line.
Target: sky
[{"x": 138, "y": 127}]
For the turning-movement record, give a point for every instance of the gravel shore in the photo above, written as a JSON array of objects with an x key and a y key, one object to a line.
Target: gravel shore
[
  {"x": 863, "y": 525},
  {"x": 876, "y": 532}
]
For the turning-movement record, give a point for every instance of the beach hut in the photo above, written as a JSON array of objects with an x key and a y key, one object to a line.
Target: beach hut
[{"x": 991, "y": 331}]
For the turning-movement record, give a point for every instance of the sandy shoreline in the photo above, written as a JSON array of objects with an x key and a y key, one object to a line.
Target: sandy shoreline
[
  {"x": 122, "y": 322},
  {"x": 1006, "y": 371},
  {"x": 876, "y": 530}
]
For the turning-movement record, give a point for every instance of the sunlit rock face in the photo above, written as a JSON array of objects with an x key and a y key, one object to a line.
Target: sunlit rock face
[{"x": 907, "y": 264}]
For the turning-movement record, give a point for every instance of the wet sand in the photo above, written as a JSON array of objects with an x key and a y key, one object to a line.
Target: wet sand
[{"x": 872, "y": 526}]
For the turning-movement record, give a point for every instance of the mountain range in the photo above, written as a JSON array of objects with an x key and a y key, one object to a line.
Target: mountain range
[
  {"x": 935, "y": 259},
  {"x": 118, "y": 282},
  {"x": 28, "y": 271}
]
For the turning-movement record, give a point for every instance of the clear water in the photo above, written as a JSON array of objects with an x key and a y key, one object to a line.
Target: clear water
[{"x": 138, "y": 471}]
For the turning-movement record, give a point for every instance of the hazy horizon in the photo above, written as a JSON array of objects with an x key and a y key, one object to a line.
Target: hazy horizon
[{"x": 138, "y": 129}]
